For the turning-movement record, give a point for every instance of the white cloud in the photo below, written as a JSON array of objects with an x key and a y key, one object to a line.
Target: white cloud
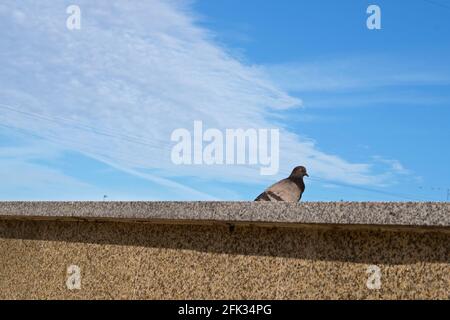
[
  {"x": 357, "y": 73},
  {"x": 136, "y": 71},
  {"x": 24, "y": 178},
  {"x": 395, "y": 165}
]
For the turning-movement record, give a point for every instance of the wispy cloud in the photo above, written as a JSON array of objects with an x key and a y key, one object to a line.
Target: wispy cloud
[
  {"x": 395, "y": 165},
  {"x": 24, "y": 178},
  {"x": 136, "y": 71},
  {"x": 357, "y": 73}
]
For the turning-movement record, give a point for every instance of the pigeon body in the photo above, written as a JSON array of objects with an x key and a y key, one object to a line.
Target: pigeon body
[{"x": 289, "y": 189}]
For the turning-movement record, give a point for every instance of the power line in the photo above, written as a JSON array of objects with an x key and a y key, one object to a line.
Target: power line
[
  {"x": 85, "y": 127},
  {"x": 77, "y": 124},
  {"x": 134, "y": 139},
  {"x": 57, "y": 140},
  {"x": 438, "y": 189}
]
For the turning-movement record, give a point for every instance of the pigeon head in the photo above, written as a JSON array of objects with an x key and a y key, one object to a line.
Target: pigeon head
[{"x": 299, "y": 172}]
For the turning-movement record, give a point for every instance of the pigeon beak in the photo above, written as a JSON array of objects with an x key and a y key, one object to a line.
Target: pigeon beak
[{"x": 306, "y": 174}]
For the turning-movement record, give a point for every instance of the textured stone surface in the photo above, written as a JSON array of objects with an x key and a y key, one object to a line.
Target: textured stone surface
[
  {"x": 145, "y": 260},
  {"x": 338, "y": 213}
]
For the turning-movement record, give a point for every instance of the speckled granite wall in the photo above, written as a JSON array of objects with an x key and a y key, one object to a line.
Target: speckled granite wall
[{"x": 140, "y": 260}]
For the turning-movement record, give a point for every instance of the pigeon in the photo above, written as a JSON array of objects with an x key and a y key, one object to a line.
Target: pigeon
[{"x": 289, "y": 189}]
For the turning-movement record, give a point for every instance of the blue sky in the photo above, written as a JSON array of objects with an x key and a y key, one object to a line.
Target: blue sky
[{"x": 89, "y": 112}]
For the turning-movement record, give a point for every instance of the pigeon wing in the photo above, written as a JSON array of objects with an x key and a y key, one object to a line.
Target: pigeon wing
[
  {"x": 263, "y": 197},
  {"x": 284, "y": 190}
]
